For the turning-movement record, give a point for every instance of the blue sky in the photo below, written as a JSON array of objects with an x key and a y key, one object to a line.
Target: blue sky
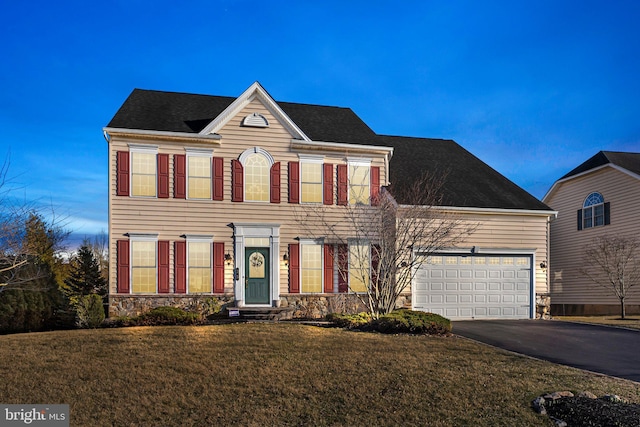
[{"x": 533, "y": 88}]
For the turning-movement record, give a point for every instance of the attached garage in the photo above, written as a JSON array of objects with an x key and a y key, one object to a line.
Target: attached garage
[{"x": 476, "y": 286}]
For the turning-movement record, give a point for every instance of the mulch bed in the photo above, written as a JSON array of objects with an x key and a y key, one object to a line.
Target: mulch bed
[{"x": 583, "y": 411}]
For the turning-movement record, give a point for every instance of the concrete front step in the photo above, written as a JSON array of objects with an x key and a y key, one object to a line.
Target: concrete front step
[{"x": 264, "y": 313}]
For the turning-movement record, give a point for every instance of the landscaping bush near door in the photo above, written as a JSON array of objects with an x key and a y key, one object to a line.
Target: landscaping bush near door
[{"x": 401, "y": 321}]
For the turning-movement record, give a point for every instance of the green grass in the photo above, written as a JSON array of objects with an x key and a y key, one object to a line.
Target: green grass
[
  {"x": 280, "y": 374},
  {"x": 632, "y": 322}
]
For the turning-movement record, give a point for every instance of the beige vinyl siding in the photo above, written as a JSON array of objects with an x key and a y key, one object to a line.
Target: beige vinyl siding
[
  {"x": 171, "y": 218},
  {"x": 510, "y": 232},
  {"x": 568, "y": 286}
]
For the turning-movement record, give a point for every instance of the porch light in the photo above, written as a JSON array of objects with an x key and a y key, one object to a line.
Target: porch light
[
  {"x": 228, "y": 259},
  {"x": 543, "y": 265},
  {"x": 285, "y": 258}
]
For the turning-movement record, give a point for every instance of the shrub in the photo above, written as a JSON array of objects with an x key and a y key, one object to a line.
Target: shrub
[
  {"x": 412, "y": 322},
  {"x": 401, "y": 321},
  {"x": 167, "y": 315},
  {"x": 349, "y": 321},
  {"x": 89, "y": 311}
]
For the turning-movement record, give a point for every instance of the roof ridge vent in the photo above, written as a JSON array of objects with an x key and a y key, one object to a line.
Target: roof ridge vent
[{"x": 255, "y": 120}]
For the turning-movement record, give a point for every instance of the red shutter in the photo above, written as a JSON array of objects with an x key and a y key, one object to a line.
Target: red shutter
[
  {"x": 343, "y": 268},
  {"x": 328, "y": 269},
  {"x": 218, "y": 178},
  {"x": 375, "y": 264},
  {"x": 375, "y": 185},
  {"x": 163, "y": 266},
  {"x": 327, "y": 183},
  {"x": 237, "y": 181},
  {"x": 342, "y": 185},
  {"x": 294, "y": 182},
  {"x": 275, "y": 183},
  {"x": 123, "y": 266},
  {"x": 218, "y": 267},
  {"x": 163, "y": 176},
  {"x": 122, "y": 173},
  {"x": 180, "y": 176},
  {"x": 180, "y": 266},
  {"x": 294, "y": 268}
]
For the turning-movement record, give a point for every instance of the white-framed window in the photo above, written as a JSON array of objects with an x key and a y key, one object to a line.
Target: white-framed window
[
  {"x": 311, "y": 267},
  {"x": 144, "y": 166},
  {"x": 257, "y": 164},
  {"x": 144, "y": 261},
  {"x": 311, "y": 178},
  {"x": 359, "y": 266},
  {"x": 359, "y": 181},
  {"x": 199, "y": 260},
  {"x": 199, "y": 174},
  {"x": 593, "y": 211}
]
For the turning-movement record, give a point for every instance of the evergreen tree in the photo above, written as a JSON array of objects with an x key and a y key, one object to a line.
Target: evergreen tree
[{"x": 85, "y": 278}]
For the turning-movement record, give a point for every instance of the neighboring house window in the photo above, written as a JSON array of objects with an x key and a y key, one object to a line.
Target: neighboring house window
[
  {"x": 143, "y": 172},
  {"x": 311, "y": 182},
  {"x": 143, "y": 266},
  {"x": 199, "y": 176},
  {"x": 359, "y": 183},
  {"x": 311, "y": 268},
  {"x": 199, "y": 266},
  {"x": 594, "y": 213},
  {"x": 359, "y": 267}
]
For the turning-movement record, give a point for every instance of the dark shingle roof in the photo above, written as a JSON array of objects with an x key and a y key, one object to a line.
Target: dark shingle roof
[
  {"x": 628, "y": 161},
  {"x": 470, "y": 181},
  {"x": 185, "y": 112}
]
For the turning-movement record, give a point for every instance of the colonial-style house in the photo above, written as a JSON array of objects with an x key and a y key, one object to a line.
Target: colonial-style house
[
  {"x": 600, "y": 197},
  {"x": 204, "y": 194}
]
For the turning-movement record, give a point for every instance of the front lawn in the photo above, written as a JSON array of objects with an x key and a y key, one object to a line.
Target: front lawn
[
  {"x": 631, "y": 322},
  {"x": 280, "y": 374}
]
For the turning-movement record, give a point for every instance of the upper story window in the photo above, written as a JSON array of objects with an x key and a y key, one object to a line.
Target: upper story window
[
  {"x": 594, "y": 213},
  {"x": 199, "y": 174},
  {"x": 143, "y": 172},
  {"x": 359, "y": 183},
  {"x": 255, "y": 177},
  {"x": 311, "y": 181}
]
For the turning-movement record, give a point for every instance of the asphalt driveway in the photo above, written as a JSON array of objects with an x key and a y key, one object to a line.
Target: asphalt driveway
[{"x": 611, "y": 351}]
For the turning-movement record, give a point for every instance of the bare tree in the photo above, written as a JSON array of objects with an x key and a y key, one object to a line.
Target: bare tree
[
  {"x": 27, "y": 240},
  {"x": 612, "y": 262},
  {"x": 387, "y": 239}
]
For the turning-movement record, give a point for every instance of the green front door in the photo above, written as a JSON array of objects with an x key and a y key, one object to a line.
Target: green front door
[{"x": 256, "y": 282}]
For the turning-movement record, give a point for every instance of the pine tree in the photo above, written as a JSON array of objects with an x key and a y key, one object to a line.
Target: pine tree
[{"x": 85, "y": 277}]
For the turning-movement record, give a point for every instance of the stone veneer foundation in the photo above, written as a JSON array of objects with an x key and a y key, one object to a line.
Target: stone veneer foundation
[{"x": 303, "y": 306}]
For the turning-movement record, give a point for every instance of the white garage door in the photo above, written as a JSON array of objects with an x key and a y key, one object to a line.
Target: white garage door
[{"x": 475, "y": 286}]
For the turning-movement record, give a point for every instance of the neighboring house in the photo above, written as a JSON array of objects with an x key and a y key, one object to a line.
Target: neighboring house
[
  {"x": 600, "y": 197},
  {"x": 204, "y": 190}
]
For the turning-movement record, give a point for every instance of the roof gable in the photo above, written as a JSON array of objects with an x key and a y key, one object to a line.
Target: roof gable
[
  {"x": 625, "y": 162},
  {"x": 255, "y": 91}
]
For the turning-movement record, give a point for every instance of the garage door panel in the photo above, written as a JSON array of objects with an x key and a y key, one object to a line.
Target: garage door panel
[
  {"x": 494, "y": 286},
  {"x": 475, "y": 287}
]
